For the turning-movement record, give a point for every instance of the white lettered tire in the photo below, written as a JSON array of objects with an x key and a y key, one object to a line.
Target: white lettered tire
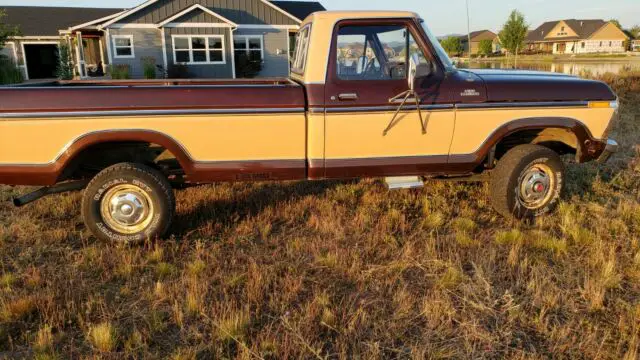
[
  {"x": 128, "y": 203},
  {"x": 528, "y": 182}
]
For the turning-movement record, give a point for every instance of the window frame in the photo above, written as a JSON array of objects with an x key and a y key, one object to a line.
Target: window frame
[
  {"x": 299, "y": 62},
  {"x": 246, "y": 41},
  {"x": 207, "y": 49},
  {"x": 116, "y": 47}
]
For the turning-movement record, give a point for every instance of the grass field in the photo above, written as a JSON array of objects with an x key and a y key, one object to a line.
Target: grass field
[{"x": 337, "y": 270}]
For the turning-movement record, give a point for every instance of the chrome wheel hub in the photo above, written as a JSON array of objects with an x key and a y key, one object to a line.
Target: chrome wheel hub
[
  {"x": 127, "y": 209},
  {"x": 536, "y": 186}
]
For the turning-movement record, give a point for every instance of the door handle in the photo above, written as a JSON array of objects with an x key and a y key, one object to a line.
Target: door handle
[{"x": 348, "y": 96}]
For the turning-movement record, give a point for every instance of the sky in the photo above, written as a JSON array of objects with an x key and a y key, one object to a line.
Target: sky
[{"x": 449, "y": 16}]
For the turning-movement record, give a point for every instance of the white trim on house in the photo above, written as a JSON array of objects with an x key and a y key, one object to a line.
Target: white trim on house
[
  {"x": 37, "y": 37},
  {"x": 115, "y": 47},
  {"x": 24, "y": 54},
  {"x": 133, "y": 26},
  {"x": 268, "y": 27},
  {"x": 164, "y": 51},
  {"x": 246, "y": 43},
  {"x": 206, "y": 50},
  {"x": 197, "y": 7},
  {"x": 233, "y": 55},
  {"x": 95, "y": 22},
  {"x": 197, "y": 25},
  {"x": 108, "y": 41},
  {"x": 150, "y": 2}
]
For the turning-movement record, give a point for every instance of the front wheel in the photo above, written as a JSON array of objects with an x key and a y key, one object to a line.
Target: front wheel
[
  {"x": 128, "y": 203},
  {"x": 527, "y": 182}
]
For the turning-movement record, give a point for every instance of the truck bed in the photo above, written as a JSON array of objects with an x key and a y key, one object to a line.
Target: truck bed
[{"x": 124, "y": 96}]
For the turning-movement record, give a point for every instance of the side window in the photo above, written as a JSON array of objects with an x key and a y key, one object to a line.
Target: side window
[
  {"x": 375, "y": 52},
  {"x": 302, "y": 47}
]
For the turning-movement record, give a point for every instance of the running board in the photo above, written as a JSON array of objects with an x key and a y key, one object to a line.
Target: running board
[{"x": 404, "y": 182}]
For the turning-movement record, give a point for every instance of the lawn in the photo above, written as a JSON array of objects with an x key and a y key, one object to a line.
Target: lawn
[{"x": 337, "y": 270}]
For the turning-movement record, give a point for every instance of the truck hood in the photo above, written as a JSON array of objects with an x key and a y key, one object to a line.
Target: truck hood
[{"x": 538, "y": 86}]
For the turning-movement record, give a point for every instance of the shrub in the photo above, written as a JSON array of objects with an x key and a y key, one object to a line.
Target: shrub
[
  {"x": 120, "y": 72},
  {"x": 65, "y": 70},
  {"x": 9, "y": 72},
  {"x": 485, "y": 47},
  {"x": 178, "y": 71},
  {"x": 149, "y": 66}
]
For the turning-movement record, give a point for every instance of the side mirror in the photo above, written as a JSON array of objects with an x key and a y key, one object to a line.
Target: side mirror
[{"x": 418, "y": 71}]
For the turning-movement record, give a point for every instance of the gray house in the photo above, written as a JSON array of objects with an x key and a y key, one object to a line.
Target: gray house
[{"x": 205, "y": 37}]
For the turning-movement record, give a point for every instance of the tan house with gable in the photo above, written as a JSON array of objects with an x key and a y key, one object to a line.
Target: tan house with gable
[
  {"x": 476, "y": 38},
  {"x": 577, "y": 37}
]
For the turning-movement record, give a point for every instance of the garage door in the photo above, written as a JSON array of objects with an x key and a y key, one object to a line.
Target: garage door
[{"x": 42, "y": 60}]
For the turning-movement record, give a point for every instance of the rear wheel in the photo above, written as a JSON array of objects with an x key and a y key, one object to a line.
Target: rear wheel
[
  {"x": 527, "y": 182},
  {"x": 128, "y": 203}
]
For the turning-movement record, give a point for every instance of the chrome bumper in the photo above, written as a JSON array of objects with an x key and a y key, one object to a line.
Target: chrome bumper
[{"x": 610, "y": 149}]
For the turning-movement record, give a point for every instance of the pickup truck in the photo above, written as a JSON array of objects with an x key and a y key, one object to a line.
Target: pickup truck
[{"x": 371, "y": 94}]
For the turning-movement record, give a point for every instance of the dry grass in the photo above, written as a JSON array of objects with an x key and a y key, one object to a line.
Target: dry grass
[{"x": 337, "y": 270}]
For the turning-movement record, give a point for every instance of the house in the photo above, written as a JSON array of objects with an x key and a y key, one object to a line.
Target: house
[
  {"x": 476, "y": 38},
  {"x": 577, "y": 37},
  {"x": 635, "y": 45},
  {"x": 205, "y": 37}
]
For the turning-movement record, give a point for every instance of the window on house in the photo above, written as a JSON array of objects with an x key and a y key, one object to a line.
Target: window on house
[
  {"x": 123, "y": 46},
  {"x": 196, "y": 50},
  {"x": 600, "y": 43},
  {"x": 610, "y": 43},
  {"x": 583, "y": 44},
  {"x": 249, "y": 45}
]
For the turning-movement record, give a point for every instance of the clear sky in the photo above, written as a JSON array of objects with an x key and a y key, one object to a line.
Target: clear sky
[{"x": 447, "y": 16}]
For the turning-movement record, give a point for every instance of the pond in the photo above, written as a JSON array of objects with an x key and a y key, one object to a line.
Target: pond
[{"x": 594, "y": 68}]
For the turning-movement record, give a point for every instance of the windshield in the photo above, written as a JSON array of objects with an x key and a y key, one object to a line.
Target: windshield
[{"x": 446, "y": 61}]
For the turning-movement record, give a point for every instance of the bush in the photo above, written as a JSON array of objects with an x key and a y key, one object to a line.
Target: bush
[
  {"x": 485, "y": 47},
  {"x": 178, "y": 71},
  {"x": 65, "y": 69},
  {"x": 120, "y": 72},
  {"x": 245, "y": 67},
  {"x": 149, "y": 66},
  {"x": 9, "y": 72}
]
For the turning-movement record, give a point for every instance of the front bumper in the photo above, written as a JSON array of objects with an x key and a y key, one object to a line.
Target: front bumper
[{"x": 610, "y": 149}]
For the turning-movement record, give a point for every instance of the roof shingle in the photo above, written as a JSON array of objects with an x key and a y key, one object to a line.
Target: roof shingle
[
  {"x": 47, "y": 21},
  {"x": 584, "y": 29}
]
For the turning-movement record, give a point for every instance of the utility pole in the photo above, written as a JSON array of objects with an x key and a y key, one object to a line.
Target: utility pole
[{"x": 469, "y": 30}]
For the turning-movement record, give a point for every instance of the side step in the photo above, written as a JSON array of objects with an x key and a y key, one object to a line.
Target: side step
[{"x": 404, "y": 182}]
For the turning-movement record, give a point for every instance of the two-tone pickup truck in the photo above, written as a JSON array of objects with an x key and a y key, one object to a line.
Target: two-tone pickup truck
[{"x": 371, "y": 94}]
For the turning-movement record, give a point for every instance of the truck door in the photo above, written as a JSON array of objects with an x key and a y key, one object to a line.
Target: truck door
[{"x": 368, "y": 67}]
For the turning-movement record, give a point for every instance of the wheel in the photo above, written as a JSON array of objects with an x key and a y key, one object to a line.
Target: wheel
[
  {"x": 128, "y": 203},
  {"x": 527, "y": 182}
]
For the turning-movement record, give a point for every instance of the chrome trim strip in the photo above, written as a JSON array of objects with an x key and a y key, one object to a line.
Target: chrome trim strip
[
  {"x": 164, "y": 86},
  {"x": 523, "y": 104},
  {"x": 66, "y": 114},
  {"x": 381, "y": 108}
]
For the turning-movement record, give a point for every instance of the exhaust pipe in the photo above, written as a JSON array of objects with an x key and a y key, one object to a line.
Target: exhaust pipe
[{"x": 49, "y": 190}]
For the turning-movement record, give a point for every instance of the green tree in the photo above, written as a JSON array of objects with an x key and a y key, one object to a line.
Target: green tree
[
  {"x": 514, "y": 32},
  {"x": 452, "y": 45},
  {"x": 635, "y": 32},
  {"x": 6, "y": 31},
  {"x": 64, "y": 71},
  {"x": 616, "y": 23},
  {"x": 485, "y": 47}
]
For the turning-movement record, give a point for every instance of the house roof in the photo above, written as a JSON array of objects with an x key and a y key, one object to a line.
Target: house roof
[
  {"x": 479, "y": 35},
  {"x": 299, "y": 9},
  {"x": 47, "y": 21},
  {"x": 584, "y": 28}
]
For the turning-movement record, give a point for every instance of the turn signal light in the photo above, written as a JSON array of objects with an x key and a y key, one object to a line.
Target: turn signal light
[{"x": 603, "y": 104}]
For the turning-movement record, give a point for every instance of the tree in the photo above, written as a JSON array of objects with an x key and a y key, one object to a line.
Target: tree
[
  {"x": 452, "y": 45},
  {"x": 616, "y": 23},
  {"x": 6, "y": 31},
  {"x": 485, "y": 47},
  {"x": 635, "y": 32},
  {"x": 514, "y": 32},
  {"x": 64, "y": 71}
]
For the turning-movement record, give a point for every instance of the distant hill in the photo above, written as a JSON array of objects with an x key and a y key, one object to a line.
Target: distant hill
[{"x": 450, "y": 35}]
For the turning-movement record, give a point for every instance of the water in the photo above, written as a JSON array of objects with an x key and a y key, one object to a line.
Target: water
[{"x": 594, "y": 68}]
